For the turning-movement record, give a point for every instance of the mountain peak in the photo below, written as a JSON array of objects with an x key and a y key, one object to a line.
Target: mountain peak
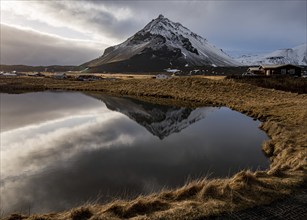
[
  {"x": 161, "y": 44},
  {"x": 160, "y": 16},
  {"x": 159, "y": 25}
]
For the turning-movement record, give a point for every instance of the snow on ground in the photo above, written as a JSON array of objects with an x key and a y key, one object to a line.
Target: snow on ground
[{"x": 172, "y": 70}]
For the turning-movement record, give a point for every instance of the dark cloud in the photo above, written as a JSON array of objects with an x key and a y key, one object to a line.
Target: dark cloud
[
  {"x": 94, "y": 17},
  {"x": 257, "y": 25},
  {"x": 21, "y": 46},
  {"x": 236, "y": 25}
]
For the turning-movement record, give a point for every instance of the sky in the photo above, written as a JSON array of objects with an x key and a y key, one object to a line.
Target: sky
[{"x": 45, "y": 32}]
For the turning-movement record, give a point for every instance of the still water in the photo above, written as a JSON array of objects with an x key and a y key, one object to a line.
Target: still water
[{"x": 62, "y": 149}]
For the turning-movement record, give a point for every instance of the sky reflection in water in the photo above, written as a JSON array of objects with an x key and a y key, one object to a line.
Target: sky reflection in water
[{"x": 59, "y": 150}]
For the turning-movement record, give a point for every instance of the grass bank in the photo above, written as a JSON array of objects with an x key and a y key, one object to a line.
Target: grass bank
[
  {"x": 284, "y": 119},
  {"x": 284, "y": 83}
]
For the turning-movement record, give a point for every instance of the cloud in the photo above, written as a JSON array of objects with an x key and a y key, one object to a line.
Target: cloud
[
  {"x": 52, "y": 105},
  {"x": 98, "y": 21},
  {"x": 230, "y": 25},
  {"x": 241, "y": 25},
  {"x": 26, "y": 46},
  {"x": 56, "y": 149},
  {"x": 254, "y": 25}
]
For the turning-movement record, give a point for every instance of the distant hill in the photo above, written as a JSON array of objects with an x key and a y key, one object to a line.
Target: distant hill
[
  {"x": 25, "y": 68},
  {"x": 296, "y": 55},
  {"x": 159, "y": 45}
]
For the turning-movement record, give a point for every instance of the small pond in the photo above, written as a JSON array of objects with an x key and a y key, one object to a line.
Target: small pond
[{"x": 62, "y": 149}]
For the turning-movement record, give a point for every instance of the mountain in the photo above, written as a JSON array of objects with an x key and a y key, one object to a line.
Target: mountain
[
  {"x": 159, "y": 120},
  {"x": 159, "y": 45},
  {"x": 296, "y": 55}
]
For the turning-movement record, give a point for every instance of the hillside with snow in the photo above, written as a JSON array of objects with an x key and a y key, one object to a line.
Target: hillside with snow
[
  {"x": 161, "y": 44},
  {"x": 296, "y": 55}
]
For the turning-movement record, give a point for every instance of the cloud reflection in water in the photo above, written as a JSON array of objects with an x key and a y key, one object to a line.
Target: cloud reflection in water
[{"x": 89, "y": 153}]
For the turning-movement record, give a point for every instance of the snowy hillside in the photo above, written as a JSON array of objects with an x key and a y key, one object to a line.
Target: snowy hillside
[
  {"x": 166, "y": 43},
  {"x": 296, "y": 55},
  {"x": 161, "y": 121}
]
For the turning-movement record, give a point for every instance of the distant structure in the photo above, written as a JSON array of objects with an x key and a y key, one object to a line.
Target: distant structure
[
  {"x": 162, "y": 76},
  {"x": 60, "y": 76},
  {"x": 254, "y": 70},
  {"x": 268, "y": 70},
  {"x": 88, "y": 78},
  {"x": 39, "y": 75}
]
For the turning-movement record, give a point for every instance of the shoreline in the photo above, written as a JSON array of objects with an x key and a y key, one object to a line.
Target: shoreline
[{"x": 284, "y": 119}]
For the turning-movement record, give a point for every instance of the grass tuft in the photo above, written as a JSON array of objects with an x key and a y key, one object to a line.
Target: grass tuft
[
  {"x": 139, "y": 207},
  {"x": 189, "y": 191},
  {"x": 82, "y": 213},
  {"x": 16, "y": 217},
  {"x": 246, "y": 177}
]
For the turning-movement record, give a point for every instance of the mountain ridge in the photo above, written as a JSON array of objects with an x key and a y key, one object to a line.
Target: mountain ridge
[
  {"x": 296, "y": 55},
  {"x": 165, "y": 44}
]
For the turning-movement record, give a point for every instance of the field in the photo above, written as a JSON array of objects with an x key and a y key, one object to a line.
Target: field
[
  {"x": 285, "y": 83},
  {"x": 284, "y": 119}
]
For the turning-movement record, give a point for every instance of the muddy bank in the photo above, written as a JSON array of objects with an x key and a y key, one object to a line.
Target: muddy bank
[{"x": 284, "y": 118}]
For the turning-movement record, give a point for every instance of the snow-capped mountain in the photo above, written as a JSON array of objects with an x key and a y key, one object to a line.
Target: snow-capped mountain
[
  {"x": 162, "y": 44},
  {"x": 296, "y": 55},
  {"x": 161, "y": 121}
]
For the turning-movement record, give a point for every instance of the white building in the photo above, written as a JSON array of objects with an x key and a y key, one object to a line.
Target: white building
[{"x": 162, "y": 76}]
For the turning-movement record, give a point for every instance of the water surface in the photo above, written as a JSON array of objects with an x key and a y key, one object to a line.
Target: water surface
[{"x": 62, "y": 149}]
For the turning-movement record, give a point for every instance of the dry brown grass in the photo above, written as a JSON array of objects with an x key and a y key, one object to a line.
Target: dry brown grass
[
  {"x": 211, "y": 77},
  {"x": 284, "y": 83},
  {"x": 284, "y": 119}
]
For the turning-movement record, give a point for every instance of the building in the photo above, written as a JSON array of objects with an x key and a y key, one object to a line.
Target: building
[
  {"x": 39, "y": 75},
  {"x": 254, "y": 70},
  {"x": 8, "y": 74},
  {"x": 60, "y": 76},
  {"x": 281, "y": 69},
  {"x": 88, "y": 78},
  {"x": 161, "y": 76},
  {"x": 284, "y": 69}
]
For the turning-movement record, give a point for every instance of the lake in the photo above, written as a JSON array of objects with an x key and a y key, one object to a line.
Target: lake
[{"x": 62, "y": 149}]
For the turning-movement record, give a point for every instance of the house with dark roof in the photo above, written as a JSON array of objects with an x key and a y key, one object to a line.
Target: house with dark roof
[
  {"x": 276, "y": 69},
  {"x": 284, "y": 69}
]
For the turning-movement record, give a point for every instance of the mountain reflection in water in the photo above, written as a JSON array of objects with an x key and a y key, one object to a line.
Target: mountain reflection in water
[
  {"x": 160, "y": 120},
  {"x": 61, "y": 149}
]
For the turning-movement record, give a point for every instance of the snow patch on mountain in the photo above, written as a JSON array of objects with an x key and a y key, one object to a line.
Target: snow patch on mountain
[
  {"x": 195, "y": 49},
  {"x": 296, "y": 55}
]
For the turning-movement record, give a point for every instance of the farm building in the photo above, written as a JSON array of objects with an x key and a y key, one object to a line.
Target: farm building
[{"x": 283, "y": 69}]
